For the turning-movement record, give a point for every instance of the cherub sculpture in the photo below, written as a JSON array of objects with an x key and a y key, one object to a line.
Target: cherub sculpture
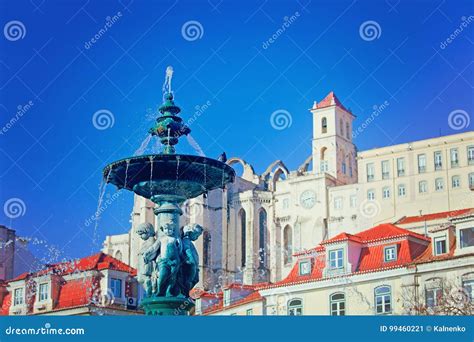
[
  {"x": 146, "y": 267},
  {"x": 166, "y": 251},
  {"x": 190, "y": 267}
]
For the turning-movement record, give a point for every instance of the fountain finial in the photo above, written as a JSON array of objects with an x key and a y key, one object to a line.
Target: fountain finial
[{"x": 169, "y": 127}]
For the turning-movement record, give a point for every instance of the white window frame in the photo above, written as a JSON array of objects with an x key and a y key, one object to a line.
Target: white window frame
[
  {"x": 455, "y": 182},
  {"x": 400, "y": 166},
  {"x": 385, "y": 169},
  {"x": 18, "y": 296},
  {"x": 385, "y": 299},
  {"x": 304, "y": 267},
  {"x": 227, "y": 298},
  {"x": 339, "y": 304},
  {"x": 454, "y": 156},
  {"x": 435, "y": 244},
  {"x": 370, "y": 168},
  {"x": 402, "y": 190},
  {"x": 461, "y": 244},
  {"x": 43, "y": 295},
  {"x": 386, "y": 193},
  {"x": 439, "y": 184},
  {"x": 390, "y": 253},
  {"x": 470, "y": 155},
  {"x": 438, "y": 160},
  {"x": 371, "y": 195},
  {"x": 353, "y": 201},
  {"x": 295, "y": 309},
  {"x": 421, "y": 163},
  {"x": 338, "y": 203},
  {"x": 435, "y": 293},
  {"x": 336, "y": 256},
  {"x": 424, "y": 187}
]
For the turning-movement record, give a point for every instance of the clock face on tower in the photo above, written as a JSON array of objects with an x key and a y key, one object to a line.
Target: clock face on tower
[{"x": 308, "y": 199}]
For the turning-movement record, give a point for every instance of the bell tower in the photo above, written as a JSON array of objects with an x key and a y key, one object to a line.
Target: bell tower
[{"x": 333, "y": 151}]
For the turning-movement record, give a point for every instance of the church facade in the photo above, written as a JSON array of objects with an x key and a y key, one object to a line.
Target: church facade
[{"x": 256, "y": 226}]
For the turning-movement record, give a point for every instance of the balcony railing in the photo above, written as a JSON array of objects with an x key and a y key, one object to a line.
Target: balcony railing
[
  {"x": 370, "y": 178},
  {"x": 421, "y": 169},
  {"x": 385, "y": 175},
  {"x": 438, "y": 167},
  {"x": 401, "y": 172}
]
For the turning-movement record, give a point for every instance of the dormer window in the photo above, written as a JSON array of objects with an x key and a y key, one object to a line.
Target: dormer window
[
  {"x": 43, "y": 292},
  {"x": 226, "y": 297},
  {"x": 440, "y": 245},
  {"x": 466, "y": 237},
  {"x": 390, "y": 253},
  {"x": 18, "y": 297},
  {"x": 305, "y": 267},
  {"x": 336, "y": 258}
]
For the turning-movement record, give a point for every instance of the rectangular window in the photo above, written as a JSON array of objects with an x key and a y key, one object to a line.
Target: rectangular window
[
  {"x": 249, "y": 312},
  {"x": 400, "y": 167},
  {"x": 402, "y": 191},
  {"x": 226, "y": 297},
  {"x": 385, "y": 169},
  {"x": 370, "y": 172},
  {"x": 471, "y": 180},
  {"x": 390, "y": 253},
  {"x": 455, "y": 182},
  {"x": 433, "y": 297},
  {"x": 198, "y": 306},
  {"x": 305, "y": 267},
  {"x": 466, "y": 237},
  {"x": 423, "y": 187},
  {"x": 338, "y": 203},
  {"x": 421, "y": 163},
  {"x": 386, "y": 192},
  {"x": 18, "y": 297},
  {"x": 468, "y": 287},
  {"x": 371, "y": 195},
  {"x": 338, "y": 304},
  {"x": 343, "y": 167},
  {"x": 438, "y": 160},
  {"x": 439, "y": 184},
  {"x": 116, "y": 287},
  {"x": 336, "y": 258},
  {"x": 454, "y": 157},
  {"x": 43, "y": 292},
  {"x": 324, "y": 166},
  {"x": 286, "y": 203},
  {"x": 383, "y": 300},
  {"x": 440, "y": 245},
  {"x": 353, "y": 200},
  {"x": 470, "y": 155}
]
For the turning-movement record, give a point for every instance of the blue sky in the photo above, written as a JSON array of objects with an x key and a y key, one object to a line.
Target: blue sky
[{"x": 52, "y": 156}]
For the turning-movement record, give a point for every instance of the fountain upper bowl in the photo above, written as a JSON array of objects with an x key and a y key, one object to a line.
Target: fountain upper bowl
[{"x": 161, "y": 177}]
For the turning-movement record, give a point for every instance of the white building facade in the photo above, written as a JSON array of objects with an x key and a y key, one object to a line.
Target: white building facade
[{"x": 256, "y": 225}]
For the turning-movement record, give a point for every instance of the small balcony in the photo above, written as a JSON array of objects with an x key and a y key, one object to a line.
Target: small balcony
[{"x": 421, "y": 169}]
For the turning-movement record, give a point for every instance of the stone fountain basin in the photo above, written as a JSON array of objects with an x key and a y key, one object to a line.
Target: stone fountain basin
[{"x": 168, "y": 176}]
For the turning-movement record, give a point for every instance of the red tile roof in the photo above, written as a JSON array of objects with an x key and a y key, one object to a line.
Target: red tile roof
[
  {"x": 331, "y": 100},
  {"x": 219, "y": 306},
  {"x": 99, "y": 261},
  {"x": 76, "y": 292},
  {"x": 372, "y": 242},
  {"x": 435, "y": 216}
]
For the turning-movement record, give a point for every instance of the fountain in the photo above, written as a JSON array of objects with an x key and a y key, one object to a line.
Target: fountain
[{"x": 168, "y": 260}]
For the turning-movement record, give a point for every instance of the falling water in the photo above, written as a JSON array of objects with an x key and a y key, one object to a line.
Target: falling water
[
  {"x": 98, "y": 212},
  {"x": 126, "y": 173},
  {"x": 143, "y": 145},
  {"x": 195, "y": 145},
  {"x": 151, "y": 172}
]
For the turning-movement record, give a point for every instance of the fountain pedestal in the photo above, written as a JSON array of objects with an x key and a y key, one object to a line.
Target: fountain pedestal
[{"x": 167, "y": 306}]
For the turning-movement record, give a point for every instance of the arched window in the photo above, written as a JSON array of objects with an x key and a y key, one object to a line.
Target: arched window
[
  {"x": 243, "y": 234},
  {"x": 323, "y": 163},
  {"x": 118, "y": 255},
  {"x": 295, "y": 307},
  {"x": 383, "y": 299},
  {"x": 206, "y": 255},
  {"x": 324, "y": 125},
  {"x": 341, "y": 127},
  {"x": 338, "y": 304},
  {"x": 262, "y": 232},
  {"x": 288, "y": 244}
]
